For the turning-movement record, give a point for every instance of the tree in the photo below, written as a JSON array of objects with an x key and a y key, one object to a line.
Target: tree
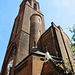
[{"x": 72, "y": 30}]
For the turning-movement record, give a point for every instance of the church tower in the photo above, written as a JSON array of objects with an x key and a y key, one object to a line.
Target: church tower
[
  {"x": 34, "y": 51},
  {"x": 27, "y": 29}
]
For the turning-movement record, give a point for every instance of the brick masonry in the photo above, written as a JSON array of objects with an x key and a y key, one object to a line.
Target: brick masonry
[{"x": 29, "y": 27}]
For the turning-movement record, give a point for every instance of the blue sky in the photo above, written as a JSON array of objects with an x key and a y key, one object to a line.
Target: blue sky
[{"x": 61, "y": 12}]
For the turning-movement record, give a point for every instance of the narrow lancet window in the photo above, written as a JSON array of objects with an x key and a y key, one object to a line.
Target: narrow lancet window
[
  {"x": 35, "y": 7},
  {"x": 13, "y": 53},
  {"x": 34, "y": 44}
]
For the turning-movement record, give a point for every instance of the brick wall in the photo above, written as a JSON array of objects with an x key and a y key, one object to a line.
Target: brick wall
[
  {"x": 20, "y": 35},
  {"x": 47, "y": 43},
  {"x": 32, "y": 65},
  {"x": 23, "y": 48},
  {"x": 67, "y": 44},
  {"x": 49, "y": 69},
  {"x": 25, "y": 68},
  {"x": 37, "y": 65}
]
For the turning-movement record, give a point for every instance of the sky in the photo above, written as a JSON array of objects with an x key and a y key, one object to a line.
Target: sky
[{"x": 61, "y": 12}]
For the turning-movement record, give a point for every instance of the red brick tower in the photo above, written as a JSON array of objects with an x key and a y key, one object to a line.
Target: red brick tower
[
  {"x": 29, "y": 43},
  {"x": 28, "y": 24}
]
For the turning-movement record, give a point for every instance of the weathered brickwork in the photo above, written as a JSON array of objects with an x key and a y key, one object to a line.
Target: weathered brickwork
[
  {"x": 47, "y": 43},
  {"x": 37, "y": 65},
  {"x": 49, "y": 69},
  {"x": 30, "y": 66},
  {"x": 29, "y": 43},
  {"x": 25, "y": 68},
  {"x": 67, "y": 44},
  {"x": 23, "y": 48}
]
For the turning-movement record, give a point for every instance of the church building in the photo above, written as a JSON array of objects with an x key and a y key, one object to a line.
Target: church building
[{"x": 32, "y": 50}]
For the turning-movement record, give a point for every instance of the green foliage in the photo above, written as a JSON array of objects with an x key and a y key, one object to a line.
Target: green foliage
[
  {"x": 67, "y": 67},
  {"x": 68, "y": 70},
  {"x": 72, "y": 30},
  {"x": 73, "y": 37},
  {"x": 74, "y": 54},
  {"x": 73, "y": 51}
]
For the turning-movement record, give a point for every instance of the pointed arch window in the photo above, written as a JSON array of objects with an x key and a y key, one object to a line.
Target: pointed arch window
[{"x": 35, "y": 6}]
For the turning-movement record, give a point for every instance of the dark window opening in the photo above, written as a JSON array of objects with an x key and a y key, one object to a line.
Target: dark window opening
[
  {"x": 13, "y": 53},
  {"x": 35, "y": 7},
  {"x": 34, "y": 44}
]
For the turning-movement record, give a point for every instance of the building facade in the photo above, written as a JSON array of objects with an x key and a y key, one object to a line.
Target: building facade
[{"x": 30, "y": 44}]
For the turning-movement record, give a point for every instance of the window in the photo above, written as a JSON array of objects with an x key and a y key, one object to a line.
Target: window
[
  {"x": 39, "y": 32},
  {"x": 13, "y": 52},
  {"x": 34, "y": 44},
  {"x": 35, "y": 6}
]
